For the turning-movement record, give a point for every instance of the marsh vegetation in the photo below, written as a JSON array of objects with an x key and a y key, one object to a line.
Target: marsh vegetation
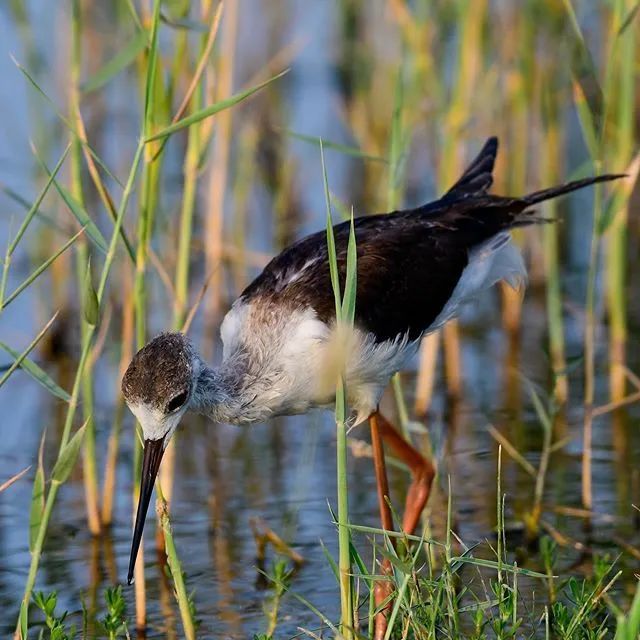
[{"x": 154, "y": 155}]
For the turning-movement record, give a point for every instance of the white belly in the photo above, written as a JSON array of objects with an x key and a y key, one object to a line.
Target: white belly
[{"x": 294, "y": 359}]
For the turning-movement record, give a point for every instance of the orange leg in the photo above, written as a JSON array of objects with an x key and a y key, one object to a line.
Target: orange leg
[
  {"x": 422, "y": 472},
  {"x": 383, "y": 588}
]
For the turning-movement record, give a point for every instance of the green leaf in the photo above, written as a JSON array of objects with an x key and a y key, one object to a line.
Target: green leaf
[
  {"x": 629, "y": 18},
  {"x": 331, "y": 561},
  {"x": 33, "y": 209},
  {"x": 37, "y": 374},
  {"x": 619, "y": 199},
  {"x": 213, "y": 109},
  {"x": 91, "y": 307},
  {"x": 41, "y": 269},
  {"x": 65, "y": 120},
  {"x": 341, "y": 148},
  {"x": 152, "y": 65},
  {"x": 76, "y": 209},
  {"x": 350, "y": 287},
  {"x": 68, "y": 456},
  {"x": 587, "y": 122},
  {"x": 584, "y": 73},
  {"x": 331, "y": 243},
  {"x": 491, "y": 564},
  {"x": 541, "y": 412},
  {"x": 25, "y": 204},
  {"x": 82, "y": 217},
  {"x": 23, "y": 620},
  {"x": 613, "y": 206},
  {"x": 37, "y": 500},
  {"x": 27, "y": 351},
  {"x": 118, "y": 63},
  {"x": 189, "y": 25}
]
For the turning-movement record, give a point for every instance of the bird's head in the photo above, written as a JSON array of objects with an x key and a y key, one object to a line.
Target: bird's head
[{"x": 158, "y": 387}]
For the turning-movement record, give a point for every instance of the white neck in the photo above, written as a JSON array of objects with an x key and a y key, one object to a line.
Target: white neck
[{"x": 221, "y": 393}]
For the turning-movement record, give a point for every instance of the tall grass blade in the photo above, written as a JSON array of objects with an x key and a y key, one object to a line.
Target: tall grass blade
[
  {"x": 34, "y": 208},
  {"x": 38, "y": 374},
  {"x": 349, "y": 301},
  {"x": 90, "y": 306},
  {"x": 176, "y": 572},
  {"x": 207, "y": 112},
  {"x": 118, "y": 63},
  {"x": 32, "y": 345},
  {"x": 37, "y": 499},
  {"x": 81, "y": 215},
  {"x": 40, "y": 270},
  {"x": 344, "y": 556},
  {"x": 68, "y": 456},
  {"x": 584, "y": 71},
  {"x": 335, "y": 146}
]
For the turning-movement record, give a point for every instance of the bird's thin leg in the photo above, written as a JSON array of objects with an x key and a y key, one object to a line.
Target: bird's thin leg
[
  {"x": 381, "y": 471},
  {"x": 422, "y": 472},
  {"x": 383, "y": 588}
]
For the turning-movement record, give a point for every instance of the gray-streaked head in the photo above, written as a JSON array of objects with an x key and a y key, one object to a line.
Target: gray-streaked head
[
  {"x": 159, "y": 383},
  {"x": 158, "y": 386}
]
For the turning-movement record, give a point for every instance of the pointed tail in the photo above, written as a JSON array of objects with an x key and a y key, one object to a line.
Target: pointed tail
[{"x": 554, "y": 192}]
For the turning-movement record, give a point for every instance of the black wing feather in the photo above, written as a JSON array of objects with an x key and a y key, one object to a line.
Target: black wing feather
[
  {"x": 478, "y": 177},
  {"x": 409, "y": 262}
]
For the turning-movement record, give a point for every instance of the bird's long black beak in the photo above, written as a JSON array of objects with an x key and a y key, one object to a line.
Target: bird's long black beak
[{"x": 153, "y": 450}]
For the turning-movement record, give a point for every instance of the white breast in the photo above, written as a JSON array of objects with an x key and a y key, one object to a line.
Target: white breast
[{"x": 294, "y": 359}]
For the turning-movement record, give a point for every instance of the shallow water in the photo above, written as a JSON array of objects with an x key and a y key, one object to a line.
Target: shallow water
[{"x": 284, "y": 472}]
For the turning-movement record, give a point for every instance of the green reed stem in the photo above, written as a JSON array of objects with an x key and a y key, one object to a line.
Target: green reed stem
[
  {"x": 190, "y": 170},
  {"x": 83, "y": 271},
  {"x": 623, "y": 57},
  {"x": 73, "y": 403},
  {"x": 345, "y": 310},
  {"x": 175, "y": 566},
  {"x": 550, "y": 232}
]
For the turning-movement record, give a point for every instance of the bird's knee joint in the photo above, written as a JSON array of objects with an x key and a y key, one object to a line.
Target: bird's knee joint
[{"x": 424, "y": 475}]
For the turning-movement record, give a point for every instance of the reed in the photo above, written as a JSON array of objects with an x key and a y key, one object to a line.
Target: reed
[
  {"x": 83, "y": 277},
  {"x": 593, "y": 103},
  {"x": 551, "y": 242},
  {"x": 619, "y": 152},
  {"x": 419, "y": 80},
  {"x": 345, "y": 312},
  {"x": 214, "y": 222}
]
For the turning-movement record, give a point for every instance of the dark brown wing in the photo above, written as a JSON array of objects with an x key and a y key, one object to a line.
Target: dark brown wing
[
  {"x": 409, "y": 262},
  {"x": 406, "y": 273}
]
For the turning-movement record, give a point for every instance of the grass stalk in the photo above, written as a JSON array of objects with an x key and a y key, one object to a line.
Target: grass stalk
[
  {"x": 73, "y": 403},
  {"x": 175, "y": 566},
  {"x": 83, "y": 273},
  {"x": 214, "y": 222},
  {"x": 551, "y": 242},
  {"x": 621, "y": 150},
  {"x": 345, "y": 311},
  {"x": 195, "y": 145},
  {"x": 113, "y": 444},
  {"x": 150, "y": 175}
]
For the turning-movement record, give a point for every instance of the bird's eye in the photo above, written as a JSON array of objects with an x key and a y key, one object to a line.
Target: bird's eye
[{"x": 176, "y": 402}]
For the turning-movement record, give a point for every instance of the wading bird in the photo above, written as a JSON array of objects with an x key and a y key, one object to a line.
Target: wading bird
[{"x": 415, "y": 269}]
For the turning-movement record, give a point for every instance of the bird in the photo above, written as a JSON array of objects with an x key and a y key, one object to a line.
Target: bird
[{"x": 416, "y": 269}]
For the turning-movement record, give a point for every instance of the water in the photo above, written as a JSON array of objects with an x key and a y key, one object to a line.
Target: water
[{"x": 282, "y": 472}]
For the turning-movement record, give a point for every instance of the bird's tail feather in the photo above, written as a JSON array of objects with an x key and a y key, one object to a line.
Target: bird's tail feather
[{"x": 554, "y": 192}]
